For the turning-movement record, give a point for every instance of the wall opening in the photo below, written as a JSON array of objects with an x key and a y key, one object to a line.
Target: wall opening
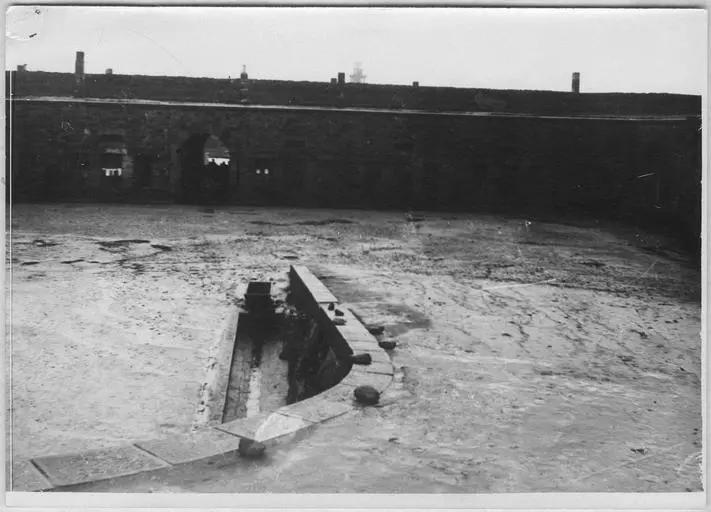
[{"x": 205, "y": 165}]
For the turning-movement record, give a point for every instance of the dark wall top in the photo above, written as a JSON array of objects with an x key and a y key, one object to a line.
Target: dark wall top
[{"x": 282, "y": 92}]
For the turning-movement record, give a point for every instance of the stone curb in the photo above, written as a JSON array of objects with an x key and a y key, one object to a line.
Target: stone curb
[{"x": 57, "y": 471}]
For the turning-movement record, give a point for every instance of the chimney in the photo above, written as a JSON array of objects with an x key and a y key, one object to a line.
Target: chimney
[
  {"x": 79, "y": 74},
  {"x": 334, "y": 81},
  {"x": 79, "y": 66},
  {"x": 415, "y": 84},
  {"x": 576, "y": 82},
  {"x": 21, "y": 67},
  {"x": 109, "y": 71},
  {"x": 341, "y": 78},
  {"x": 244, "y": 85}
]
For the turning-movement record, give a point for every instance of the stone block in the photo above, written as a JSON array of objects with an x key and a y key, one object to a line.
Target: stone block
[
  {"x": 27, "y": 478},
  {"x": 316, "y": 289},
  {"x": 360, "y": 346},
  {"x": 339, "y": 393},
  {"x": 178, "y": 449},
  {"x": 380, "y": 367},
  {"x": 316, "y": 409},
  {"x": 266, "y": 427},
  {"x": 95, "y": 465},
  {"x": 362, "y": 378}
]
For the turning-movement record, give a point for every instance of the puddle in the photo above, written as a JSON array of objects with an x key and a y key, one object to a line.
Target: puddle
[
  {"x": 121, "y": 243},
  {"x": 324, "y": 222}
]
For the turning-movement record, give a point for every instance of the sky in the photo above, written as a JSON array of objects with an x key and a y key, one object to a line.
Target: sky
[{"x": 651, "y": 50}]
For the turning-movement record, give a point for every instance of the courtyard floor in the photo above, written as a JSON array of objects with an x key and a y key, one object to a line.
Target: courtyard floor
[{"x": 531, "y": 356}]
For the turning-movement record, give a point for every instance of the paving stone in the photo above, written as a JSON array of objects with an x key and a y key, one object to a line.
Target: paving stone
[
  {"x": 97, "y": 465},
  {"x": 316, "y": 409},
  {"x": 27, "y": 478},
  {"x": 379, "y": 367},
  {"x": 189, "y": 447},
  {"x": 265, "y": 427},
  {"x": 339, "y": 393},
  {"x": 362, "y": 378},
  {"x": 377, "y": 355},
  {"x": 360, "y": 346}
]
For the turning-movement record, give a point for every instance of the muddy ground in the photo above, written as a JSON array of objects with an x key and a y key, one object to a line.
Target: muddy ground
[{"x": 531, "y": 356}]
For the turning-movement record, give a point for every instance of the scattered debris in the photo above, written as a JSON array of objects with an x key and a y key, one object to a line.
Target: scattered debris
[
  {"x": 413, "y": 218},
  {"x": 375, "y": 330},
  {"x": 641, "y": 451},
  {"x": 387, "y": 344},
  {"x": 162, "y": 247},
  {"x": 208, "y": 210},
  {"x": 546, "y": 372},
  {"x": 641, "y": 333},
  {"x": 367, "y": 395},
  {"x": 361, "y": 358},
  {"x": 250, "y": 448},
  {"x": 29, "y": 263},
  {"x": 72, "y": 261}
]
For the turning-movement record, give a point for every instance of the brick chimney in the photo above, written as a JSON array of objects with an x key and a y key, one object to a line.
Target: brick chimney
[
  {"x": 576, "y": 82},
  {"x": 341, "y": 78}
]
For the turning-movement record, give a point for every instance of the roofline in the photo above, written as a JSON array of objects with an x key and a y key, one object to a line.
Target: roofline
[{"x": 355, "y": 110}]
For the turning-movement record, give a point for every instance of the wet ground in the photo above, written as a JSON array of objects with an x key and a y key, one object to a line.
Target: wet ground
[{"x": 531, "y": 356}]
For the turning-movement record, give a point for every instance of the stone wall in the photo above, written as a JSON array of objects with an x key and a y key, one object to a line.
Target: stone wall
[{"x": 642, "y": 170}]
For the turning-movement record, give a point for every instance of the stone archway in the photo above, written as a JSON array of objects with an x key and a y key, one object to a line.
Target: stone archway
[{"x": 204, "y": 163}]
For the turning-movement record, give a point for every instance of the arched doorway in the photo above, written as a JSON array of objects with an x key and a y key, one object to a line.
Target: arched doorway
[{"x": 205, "y": 166}]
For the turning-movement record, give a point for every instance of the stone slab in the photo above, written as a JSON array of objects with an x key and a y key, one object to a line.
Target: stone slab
[
  {"x": 377, "y": 355},
  {"x": 202, "y": 444},
  {"x": 219, "y": 370},
  {"x": 361, "y": 378},
  {"x": 95, "y": 465},
  {"x": 316, "y": 409},
  {"x": 265, "y": 427},
  {"x": 355, "y": 334},
  {"x": 315, "y": 287},
  {"x": 27, "y": 478},
  {"x": 379, "y": 367},
  {"x": 338, "y": 393},
  {"x": 363, "y": 345}
]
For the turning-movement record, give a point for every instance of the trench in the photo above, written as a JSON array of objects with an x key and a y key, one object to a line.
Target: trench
[{"x": 280, "y": 356}]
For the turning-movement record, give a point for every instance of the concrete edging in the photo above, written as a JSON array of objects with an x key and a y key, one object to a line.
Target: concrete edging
[{"x": 57, "y": 471}]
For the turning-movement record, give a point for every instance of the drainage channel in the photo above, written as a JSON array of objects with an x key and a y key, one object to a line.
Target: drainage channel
[{"x": 279, "y": 357}]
